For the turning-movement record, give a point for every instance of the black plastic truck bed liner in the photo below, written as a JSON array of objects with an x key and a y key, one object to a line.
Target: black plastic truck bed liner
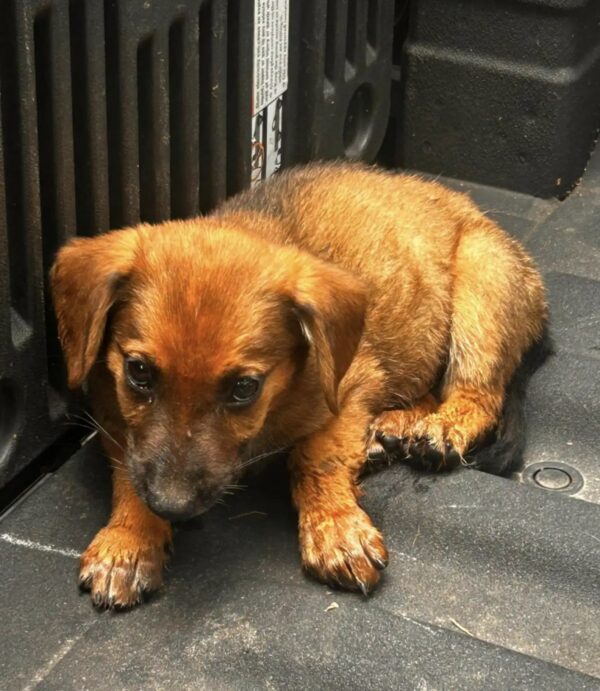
[{"x": 492, "y": 584}]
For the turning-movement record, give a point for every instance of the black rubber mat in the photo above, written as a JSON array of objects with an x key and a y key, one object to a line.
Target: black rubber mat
[{"x": 492, "y": 583}]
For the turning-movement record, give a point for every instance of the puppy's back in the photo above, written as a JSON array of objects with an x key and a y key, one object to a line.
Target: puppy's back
[{"x": 364, "y": 219}]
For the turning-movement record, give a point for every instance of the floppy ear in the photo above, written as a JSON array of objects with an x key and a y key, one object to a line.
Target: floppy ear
[
  {"x": 330, "y": 305},
  {"x": 84, "y": 282}
]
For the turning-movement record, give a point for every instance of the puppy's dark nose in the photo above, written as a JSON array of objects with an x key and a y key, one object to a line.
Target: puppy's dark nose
[{"x": 174, "y": 506}]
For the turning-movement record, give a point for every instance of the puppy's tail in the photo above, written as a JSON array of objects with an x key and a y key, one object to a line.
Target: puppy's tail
[{"x": 504, "y": 452}]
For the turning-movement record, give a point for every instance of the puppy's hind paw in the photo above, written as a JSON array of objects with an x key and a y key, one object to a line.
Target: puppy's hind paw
[
  {"x": 410, "y": 435},
  {"x": 423, "y": 451}
]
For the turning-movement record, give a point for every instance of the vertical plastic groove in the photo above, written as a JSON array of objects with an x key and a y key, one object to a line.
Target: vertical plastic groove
[
  {"x": 183, "y": 116},
  {"x": 212, "y": 21},
  {"x": 62, "y": 113},
  {"x": 44, "y": 33},
  {"x": 4, "y": 265},
  {"x": 128, "y": 107},
  {"x": 336, "y": 39},
  {"x": 55, "y": 133},
  {"x": 122, "y": 105},
  {"x": 304, "y": 97},
  {"x": 45, "y": 119},
  {"x": 351, "y": 32},
  {"x": 11, "y": 164},
  {"x": 114, "y": 136},
  {"x": 89, "y": 116},
  {"x": 373, "y": 23},
  {"x": 160, "y": 142},
  {"x": 146, "y": 115},
  {"x": 24, "y": 236},
  {"x": 240, "y": 32},
  {"x": 357, "y": 33},
  {"x": 362, "y": 13}
]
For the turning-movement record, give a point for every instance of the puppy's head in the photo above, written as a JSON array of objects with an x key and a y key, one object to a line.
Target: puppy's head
[{"x": 210, "y": 334}]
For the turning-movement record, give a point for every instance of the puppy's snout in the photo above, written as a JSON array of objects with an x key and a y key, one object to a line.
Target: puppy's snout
[
  {"x": 174, "y": 505},
  {"x": 177, "y": 500},
  {"x": 178, "y": 479}
]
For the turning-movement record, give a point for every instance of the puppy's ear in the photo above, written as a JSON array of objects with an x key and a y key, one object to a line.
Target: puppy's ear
[
  {"x": 330, "y": 305},
  {"x": 84, "y": 282}
]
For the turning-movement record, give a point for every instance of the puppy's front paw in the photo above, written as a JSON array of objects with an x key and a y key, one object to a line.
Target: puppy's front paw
[
  {"x": 342, "y": 548},
  {"x": 120, "y": 566}
]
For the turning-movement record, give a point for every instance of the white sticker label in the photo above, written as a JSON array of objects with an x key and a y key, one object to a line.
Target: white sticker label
[
  {"x": 271, "y": 20},
  {"x": 271, "y": 25}
]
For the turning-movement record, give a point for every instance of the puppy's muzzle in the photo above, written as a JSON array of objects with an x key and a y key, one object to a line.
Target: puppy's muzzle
[
  {"x": 174, "y": 505},
  {"x": 176, "y": 499},
  {"x": 179, "y": 480}
]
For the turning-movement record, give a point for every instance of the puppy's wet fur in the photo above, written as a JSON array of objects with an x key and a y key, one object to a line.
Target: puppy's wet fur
[{"x": 337, "y": 310}]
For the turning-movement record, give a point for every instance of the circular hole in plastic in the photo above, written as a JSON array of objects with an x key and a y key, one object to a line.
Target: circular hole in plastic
[
  {"x": 8, "y": 417},
  {"x": 358, "y": 122},
  {"x": 554, "y": 476}
]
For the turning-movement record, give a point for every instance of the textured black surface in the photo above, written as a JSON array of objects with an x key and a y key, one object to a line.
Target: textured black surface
[
  {"x": 340, "y": 69},
  {"x": 237, "y": 612},
  {"x": 111, "y": 113},
  {"x": 491, "y": 584},
  {"x": 505, "y": 92}
]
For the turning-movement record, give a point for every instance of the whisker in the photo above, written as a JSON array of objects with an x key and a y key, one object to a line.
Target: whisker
[
  {"x": 77, "y": 419},
  {"x": 83, "y": 425},
  {"x": 117, "y": 463},
  {"x": 104, "y": 431},
  {"x": 90, "y": 422},
  {"x": 89, "y": 437},
  {"x": 266, "y": 454},
  {"x": 80, "y": 421}
]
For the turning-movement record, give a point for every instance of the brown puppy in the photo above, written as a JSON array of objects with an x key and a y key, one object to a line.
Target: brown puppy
[{"x": 334, "y": 309}]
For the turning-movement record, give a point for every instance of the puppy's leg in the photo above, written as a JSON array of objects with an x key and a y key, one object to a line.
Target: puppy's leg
[
  {"x": 127, "y": 557},
  {"x": 498, "y": 312},
  {"x": 338, "y": 543}
]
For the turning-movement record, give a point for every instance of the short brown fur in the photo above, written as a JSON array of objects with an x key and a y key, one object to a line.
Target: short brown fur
[{"x": 373, "y": 304}]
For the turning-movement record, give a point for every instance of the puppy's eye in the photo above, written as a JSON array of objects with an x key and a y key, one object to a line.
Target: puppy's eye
[
  {"x": 245, "y": 390},
  {"x": 139, "y": 374}
]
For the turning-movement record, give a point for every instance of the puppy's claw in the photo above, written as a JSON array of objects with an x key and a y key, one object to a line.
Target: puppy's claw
[
  {"x": 376, "y": 452},
  {"x": 363, "y": 587},
  {"x": 84, "y": 582},
  {"x": 379, "y": 563},
  {"x": 390, "y": 443}
]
